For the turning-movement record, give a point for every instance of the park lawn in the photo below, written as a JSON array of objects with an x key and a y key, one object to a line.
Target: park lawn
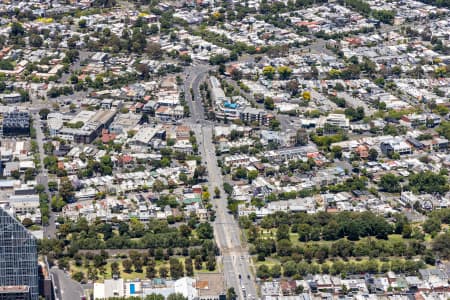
[
  {"x": 268, "y": 233},
  {"x": 391, "y": 238},
  {"x": 395, "y": 238},
  {"x": 271, "y": 234},
  {"x": 132, "y": 275},
  {"x": 108, "y": 275},
  {"x": 204, "y": 269},
  {"x": 35, "y": 227},
  {"x": 270, "y": 262},
  {"x": 194, "y": 233},
  {"x": 293, "y": 237},
  {"x": 295, "y": 241}
]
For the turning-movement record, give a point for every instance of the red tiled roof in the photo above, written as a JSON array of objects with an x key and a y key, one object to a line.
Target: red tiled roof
[{"x": 126, "y": 159}]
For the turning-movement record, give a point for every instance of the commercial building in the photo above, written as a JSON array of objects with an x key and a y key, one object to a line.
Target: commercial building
[
  {"x": 110, "y": 288},
  {"x": 416, "y": 120},
  {"x": 250, "y": 115},
  {"x": 169, "y": 113},
  {"x": 227, "y": 110},
  {"x": 290, "y": 153},
  {"x": 124, "y": 122},
  {"x": 46, "y": 288},
  {"x": 207, "y": 286},
  {"x": 18, "y": 258},
  {"x": 26, "y": 205},
  {"x": 396, "y": 145},
  {"x": 93, "y": 124},
  {"x": 20, "y": 292},
  {"x": 334, "y": 120},
  {"x": 145, "y": 135},
  {"x": 11, "y": 98},
  {"x": 16, "y": 123}
]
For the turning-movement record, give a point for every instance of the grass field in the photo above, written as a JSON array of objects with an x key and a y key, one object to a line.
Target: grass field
[
  {"x": 133, "y": 275},
  {"x": 274, "y": 260},
  {"x": 270, "y": 262},
  {"x": 272, "y": 233}
]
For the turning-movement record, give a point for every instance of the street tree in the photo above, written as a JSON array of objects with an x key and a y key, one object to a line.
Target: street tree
[
  {"x": 373, "y": 154},
  {"x": 82, "y": 23},
  {"x": 163, "y": 272},
  {"x": 231, "y": 294},
  {"x": 236, "y": 74},
  {"x": 390, "y": 183},
  {"x": 441, "y": 245},
  {"x": 176, "y": 296},
  {"x": 43, "y": 113},
  {"x": 150, "y": 272},
  {"x": 189, "y": 267},
  {"x": 269, "y": 103},
  {"x": 284, "y": 72},
  {"x": 198, "y": 262},
  {"x": 127, "y": 265},
  {"x": 205, "y": 231},
  {"x": 306, "y": 95},
  {"x": 268, "y": 72},
  {"x": 27, "y": 222},
  {"x": 292, "y": 86},
  {"x": 176, "y": 268},
  {"x": 35, "y": 40},
  {"x": 154, "y": 51},
  {"x": 283, "y": 232},
  {"x": 251, "y": 175},
  {"x": 211, "y": 262},
  {"x": 66, "y": 189},
  {"x": 301, "y": 137},
  {"x": 216, "y": 192},
  {"x": 115, "y": 268}
]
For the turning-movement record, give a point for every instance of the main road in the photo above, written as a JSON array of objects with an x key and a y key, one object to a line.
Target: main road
[
  {"x": 42, "y": 177},
  {"x": 236, "y": 262},
  {"x": 65, "y": 287}
]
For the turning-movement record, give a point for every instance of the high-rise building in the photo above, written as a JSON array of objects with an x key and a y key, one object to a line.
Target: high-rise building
[{"x": 18, "y": 257}]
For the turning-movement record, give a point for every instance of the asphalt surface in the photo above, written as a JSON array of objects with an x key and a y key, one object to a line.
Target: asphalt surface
[
  {"x": 236, "y": 263},
  {"x": 322, "y": 101},
  {"x": 34, "y": 107},
  {"x": 42, "y": 177},
  {"x": 195, "y": 75},
  {"x": 355, "y": 102},
  {"x": 65, "y": 287},
  {"x": 76, "y": 65}
]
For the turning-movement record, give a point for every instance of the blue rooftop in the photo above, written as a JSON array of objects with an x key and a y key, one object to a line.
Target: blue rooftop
[{"x": 230, "y": 105}]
